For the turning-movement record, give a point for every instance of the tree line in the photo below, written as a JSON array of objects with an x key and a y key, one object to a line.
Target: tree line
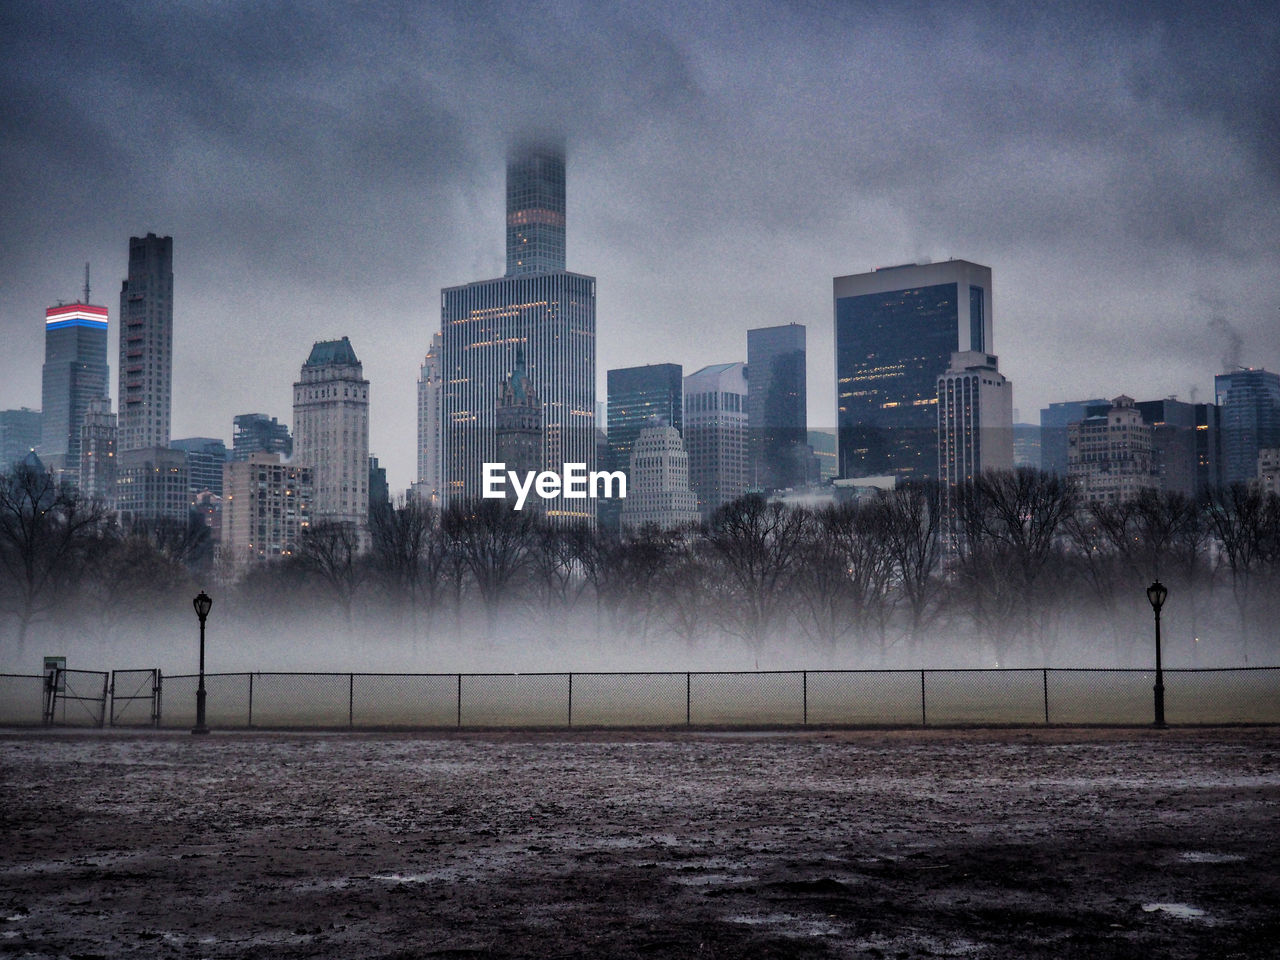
[{"x": 1010, "y": 569}]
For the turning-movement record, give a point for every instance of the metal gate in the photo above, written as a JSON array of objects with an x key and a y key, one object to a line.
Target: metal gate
[
  {"x": 135, "y": 698},
  {"x": 75, "y": 698}
]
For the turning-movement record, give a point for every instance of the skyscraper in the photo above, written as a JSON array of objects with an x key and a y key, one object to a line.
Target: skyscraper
[
  {"x": 896, "y": 329},
  {"x": 266, "y": 507},
  {"x": 539, "y": 306},
  {"x": 205, "y": 459},
  {"x": 19, "y": 435},
  {"x": 258, "y": 433},
  {"x": 146, "y": 344},
  {"x": 535, "y": 208},
  {"x": 74, "y": 375},
  {"x": 1109, "y": 454},
  {"x": 98, "y": 433},
  {"x": 430, "y": 483},
  {"x": 777, "y": 407},
  {"x": 636, "y": 395},
  {"x": 1250, "y": 410},
  {"x": 518, "y": 425},
  {"x": 1054, "y": 420},
  {"x": 975, "y": 418},
  {"x": 658, "y": 490},
  {"x": 715, "y": 433},
  {"x": 331, "y": 431}
]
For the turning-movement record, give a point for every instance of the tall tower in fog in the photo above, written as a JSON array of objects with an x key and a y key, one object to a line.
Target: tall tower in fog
[
  {"x": 331, "y": 431},
  {"x": 429, "y": 486},
  {"x": 74, "y": 376},
  {"x": 538, "y": 307},
  {"x": 535, "y": 209},
  {"x": 145, "y": 396}
]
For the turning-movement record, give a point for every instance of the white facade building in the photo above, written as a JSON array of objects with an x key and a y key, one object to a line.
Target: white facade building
[
  {"x": 975, "y": 418},
  {"x": 1109, "y": 457},
  {"x": 429, "y": 486},
  {"x": 658, "y": 492},
  {"x": 715, "y": 433},
  {"x": 331, "y": 432}
]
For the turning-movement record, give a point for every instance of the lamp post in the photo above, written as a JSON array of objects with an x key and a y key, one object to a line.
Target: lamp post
[
  {"x": 1156, "y": 594},
  {"x": 202, "y": 603}
]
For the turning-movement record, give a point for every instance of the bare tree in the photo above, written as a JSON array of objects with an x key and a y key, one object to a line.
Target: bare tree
[
  {"x": 330, "y": 551},
  {"x": 1246, "y": 525},
  {"x": 408, "y": 554},
  {"x": 843, "y": 577},
  {"x": 495, "y": 543},
  {"x": 912, "y": 524},
  {"x": 756, "y": 545},
  {"x": 48, "y": 534}
]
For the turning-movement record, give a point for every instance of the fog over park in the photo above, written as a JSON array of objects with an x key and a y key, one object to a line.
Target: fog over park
[{"x": 1010, "y": 570}]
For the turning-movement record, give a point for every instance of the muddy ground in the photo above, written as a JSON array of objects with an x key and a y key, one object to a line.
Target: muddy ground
[{"x": 977, "y": 843}]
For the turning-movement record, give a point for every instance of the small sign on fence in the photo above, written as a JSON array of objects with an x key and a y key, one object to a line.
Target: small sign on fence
[{"x": 55, "y": 673}]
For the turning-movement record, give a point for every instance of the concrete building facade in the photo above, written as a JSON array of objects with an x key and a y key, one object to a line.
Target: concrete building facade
[
  {"x": 658, "y": 490},
  {"x": 715, "y": 434},
  {"x": 331, "y": 432}
]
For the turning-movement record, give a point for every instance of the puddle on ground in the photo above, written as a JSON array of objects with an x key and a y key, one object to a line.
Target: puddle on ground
[
  {"x": 1183, "y": 911},
  {"x": 1199, "y": 856}
]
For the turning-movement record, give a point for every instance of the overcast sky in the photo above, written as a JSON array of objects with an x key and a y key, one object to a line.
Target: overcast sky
[{"x": 325, "y": 169}]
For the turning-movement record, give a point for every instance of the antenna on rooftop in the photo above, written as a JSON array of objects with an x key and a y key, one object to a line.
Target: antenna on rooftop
[{"x": 86, "y": 283}]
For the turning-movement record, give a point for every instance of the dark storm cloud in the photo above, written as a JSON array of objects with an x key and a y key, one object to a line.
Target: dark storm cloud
[{"x": 325, "y": 169}]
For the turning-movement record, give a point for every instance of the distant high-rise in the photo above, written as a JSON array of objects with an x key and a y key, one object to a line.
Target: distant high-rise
[
  {"x": 551, "y": 313},
  {"x": 98, "y": 433},
  {"x": 777, "y": 407},
  {"x": 535, "y": 209},
  {"x": 331, "y": 431},
  {"x": 1250, "y": 409},
  {"x": 430, "y": 483},
  {"x": 975, "y": 418},
  {"x": 153, "y": 484},
  {"x": 258, "y": 433},
  {"x": 715, "y": 433},
  {"x": 658, "y": 490},
  {"x": 896, "y": 329},
  {"x": 205, "y": 459},
  {"x": 19, "y": 435},
  {"x": 146, "y": 344},
  {"x": 636, "y": 396},
  {"x": 379, "y": 491},
  {"x": 1054, "y": 420},
  {"x": 75, "y": 374},
  {"x": 1109, "y": 454},
  {"x": 518, "y": 426},
  {"x": 266, "y": 506}
]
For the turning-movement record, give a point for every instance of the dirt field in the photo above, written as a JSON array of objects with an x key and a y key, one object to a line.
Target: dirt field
[{"x": 980, "y": 843}]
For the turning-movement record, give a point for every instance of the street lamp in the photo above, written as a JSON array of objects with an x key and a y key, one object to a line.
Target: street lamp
[
  {"x": 1156, "y": 594},
  {"x": 203, "y": 603}
]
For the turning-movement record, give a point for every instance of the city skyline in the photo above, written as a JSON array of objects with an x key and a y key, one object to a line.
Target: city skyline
[{"x": 1120, "y": 181}]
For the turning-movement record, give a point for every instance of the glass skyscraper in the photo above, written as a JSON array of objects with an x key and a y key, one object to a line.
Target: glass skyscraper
[
  {"x": 896, "y": 329},
  {"x": 1250, "y": 420},
  {"x": 539, "y": 306},
  {"x": 777, "y": 407},
  {"x": 75, "y": 374},
  {"x": 535, "y": 208}
]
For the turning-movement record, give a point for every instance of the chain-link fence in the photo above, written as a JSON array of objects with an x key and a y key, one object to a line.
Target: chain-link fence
[{"x": 652, "y": 699}]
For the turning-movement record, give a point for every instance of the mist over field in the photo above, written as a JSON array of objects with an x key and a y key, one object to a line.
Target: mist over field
[{"x": 1009, "y": 571}]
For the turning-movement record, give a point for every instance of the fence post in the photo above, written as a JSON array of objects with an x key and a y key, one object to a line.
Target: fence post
[
  {"x": 804, "y": 680},
  {"x": 688, "y": 700},
  {"x": 924, "y": 717},
  {"x": 459, "y": 699},
  {"x": 102, "y": 717},
  {"x": 157, "y": 698},
  {"x": 571, "y": 699},
  {"x": 112, "y": 715},
  {"x": 251, "y": 701},
  {"x": 351, "y": 700},
  {"x": 1046, "y": 694}
]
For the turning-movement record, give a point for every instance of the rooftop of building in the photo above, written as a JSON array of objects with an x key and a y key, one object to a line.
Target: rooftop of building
[{"x": 327, "y": 352}]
